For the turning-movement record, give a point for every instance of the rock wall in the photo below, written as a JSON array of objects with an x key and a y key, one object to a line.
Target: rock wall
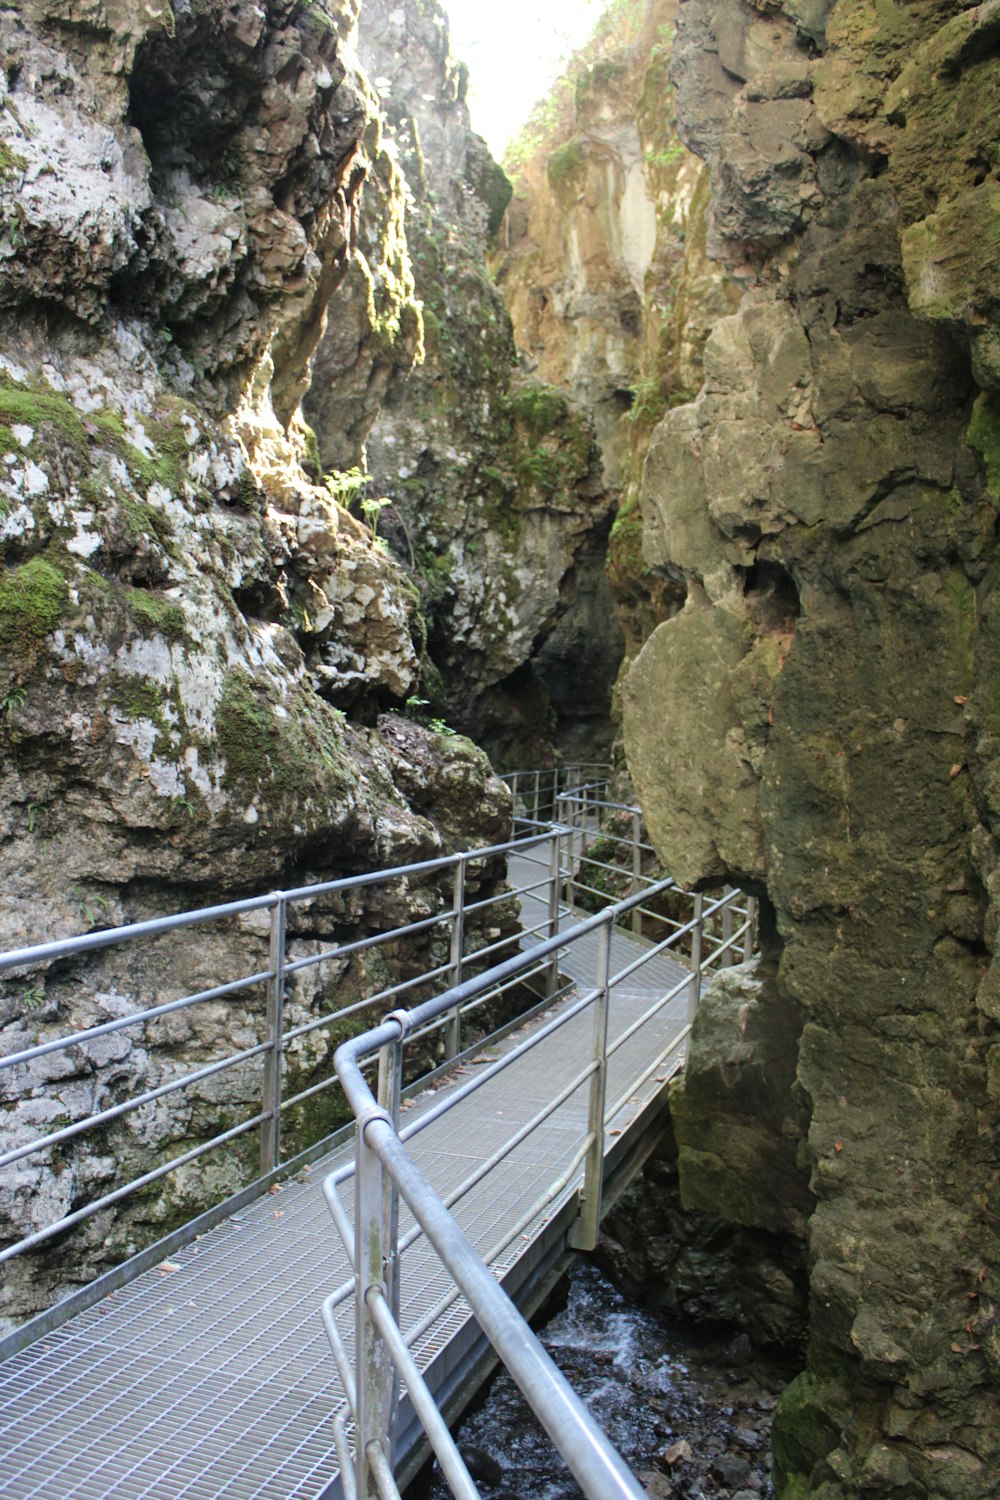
[
  {"x": 602, "y": 263},
  {"x": 818, "y": 722},
  {"x": 196, "y": 641},
  {"x": 496, "y": 506}
]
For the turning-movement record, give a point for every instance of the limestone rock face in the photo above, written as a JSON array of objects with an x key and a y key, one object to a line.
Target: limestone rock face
[
  {"x": 196, "y": 641},
  {"x": 496, "y": 503},
  {"x": 175, "y": 591},
  {"x": 828, "y": 503},
  {"x": 604, "y": 270}
]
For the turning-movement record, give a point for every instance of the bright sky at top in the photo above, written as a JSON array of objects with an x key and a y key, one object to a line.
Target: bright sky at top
[{"x": 514, "y": 49}]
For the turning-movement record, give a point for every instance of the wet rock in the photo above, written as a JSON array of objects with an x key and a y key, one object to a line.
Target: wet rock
[
  {"x": 482, "y": 1466},
  {"x": 679, "y": 1441}
]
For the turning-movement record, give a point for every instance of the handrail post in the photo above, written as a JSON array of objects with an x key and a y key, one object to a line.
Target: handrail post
[
  {"x": 390, "y": 1093},
  {"x": 373, "y": 1365},
  {"x": 552, "y": 975},
  {"x": 453, "y": 1031},
  {"x": 570, "y": 845},
  {"x": 697, "y": 934},
  {"x": 538, "y": 789},
  {"x": 584, "y": 1233},
  {"x": 728, "y": 956},
  {"x": 270, "y": 1130},
  {"x": 748, "y": 935},
  {"x": 636, "y": 870}
]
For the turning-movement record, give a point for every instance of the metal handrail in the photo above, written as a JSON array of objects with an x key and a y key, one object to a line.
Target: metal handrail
[
  {"x": 385, "y": 1172},
  {"x": 596, "y": 1465},
  {"x": 555, "y": 848},
  {"x": 267, "y": 1057}
]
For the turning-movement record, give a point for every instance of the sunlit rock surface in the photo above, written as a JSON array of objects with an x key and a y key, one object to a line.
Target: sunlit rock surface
[
  {"x": 196, "y": 642},
  {"x": 497, "y": 505},
  {"x": 602, "y": 263}
]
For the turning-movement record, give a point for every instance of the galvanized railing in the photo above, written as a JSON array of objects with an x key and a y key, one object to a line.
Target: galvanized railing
[
  {"x": 384, "y": 1173},
  {"x": 535, "y": 792},
  {"x": 628, "y": 860},
  {"x": 711, "y": 934},
  {"x": 264, "y": 992}
]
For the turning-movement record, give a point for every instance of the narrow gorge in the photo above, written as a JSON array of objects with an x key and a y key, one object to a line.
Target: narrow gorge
[{"x": 342, "y": 468}]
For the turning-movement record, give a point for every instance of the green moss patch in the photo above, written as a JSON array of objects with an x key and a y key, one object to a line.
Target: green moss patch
[
  {"x": 155, "y": 615},
  {"x": 12, "y": 163},
  {"x": 286, "y": 752},
  {"x": 565, "y": 167},
  {"x": 805, "y": 1431},
  {"x": 33, "y": 600},
  {"x": 984, "y": 436},
  {"x": 538, "y": 408},
  {"x": 40, "y": 407},
  {"x": 138, "y": 698}
]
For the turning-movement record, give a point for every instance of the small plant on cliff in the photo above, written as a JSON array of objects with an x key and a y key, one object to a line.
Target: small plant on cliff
[
  {"x": 648, "y": 401},
  {"x": 372, "y": 509},
  {"x": 667, "y": 156},
  {"x": 344, "y": 485}
]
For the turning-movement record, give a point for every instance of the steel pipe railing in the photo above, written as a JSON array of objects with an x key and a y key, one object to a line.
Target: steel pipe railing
[
  {"x": 378, "y": 1137},
  {"x": 269, "y": 1057},
  {"x": 718, "y": 932}
]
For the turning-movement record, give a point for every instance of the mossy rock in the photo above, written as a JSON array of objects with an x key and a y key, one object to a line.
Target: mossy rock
[
  {"x": 289, "y": 753},
  {"x": 984, "y": 436},
  {"x": 60, "y": 426},
  {"x": 566, "y": 166},
  {"x": 806, "y": 1428},
  {"x": 538, "y": 408},
  {"x": 40, "y": 407},
  {"x": 155, "y": 615},
  {"x": 12, "y": 163},
  {"x": 33, "y": 600},
  {"x": 491, "y": 185}
]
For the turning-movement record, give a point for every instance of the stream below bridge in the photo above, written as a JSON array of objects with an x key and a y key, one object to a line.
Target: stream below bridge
[{"x": 691, "y": 1415}]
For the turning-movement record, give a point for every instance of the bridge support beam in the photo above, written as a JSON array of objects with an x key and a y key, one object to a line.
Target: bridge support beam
[
  {"x": 694, "y": 989},
  {"x": 453, "y": 1030},
  {"x": 555, "y": 883}
]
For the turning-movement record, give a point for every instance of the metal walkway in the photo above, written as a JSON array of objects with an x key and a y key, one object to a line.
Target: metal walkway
[{"x": 210, "y": 1376}]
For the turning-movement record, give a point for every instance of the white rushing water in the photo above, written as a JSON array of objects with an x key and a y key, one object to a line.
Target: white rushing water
[{"x": 691, "y": 1418}]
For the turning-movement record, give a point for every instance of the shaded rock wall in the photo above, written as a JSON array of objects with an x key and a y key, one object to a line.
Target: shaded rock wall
[{"x": 817, "y": 722}]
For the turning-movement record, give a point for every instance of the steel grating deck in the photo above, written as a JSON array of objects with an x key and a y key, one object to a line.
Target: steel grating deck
[{"x": 211, "y": 1376}]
